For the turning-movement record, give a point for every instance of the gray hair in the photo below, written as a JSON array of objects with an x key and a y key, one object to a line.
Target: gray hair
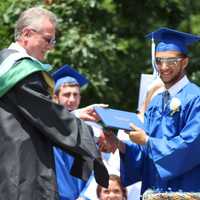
[{"x": 33, "y": 17}]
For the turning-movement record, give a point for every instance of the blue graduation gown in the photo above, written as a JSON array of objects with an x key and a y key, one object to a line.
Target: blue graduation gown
[
  {"x": 69, "y": 187},
  {"x": 171, "y": 158}
]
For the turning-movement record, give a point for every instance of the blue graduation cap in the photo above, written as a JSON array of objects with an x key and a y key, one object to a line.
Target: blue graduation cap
[
  {"x": 172, "y": 40},
  {"x": 68, "y": 75}
]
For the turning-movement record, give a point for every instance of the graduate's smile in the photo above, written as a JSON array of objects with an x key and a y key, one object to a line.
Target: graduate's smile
[{"x": 166, "y": 75}]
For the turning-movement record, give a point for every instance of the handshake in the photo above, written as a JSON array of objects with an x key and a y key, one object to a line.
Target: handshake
[{"x": 106, "y": 136}]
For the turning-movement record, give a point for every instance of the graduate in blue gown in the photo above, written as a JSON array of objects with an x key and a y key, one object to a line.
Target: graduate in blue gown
[
  {"x": 165, "y": 156},
  {"x": 67, "y": 93}
]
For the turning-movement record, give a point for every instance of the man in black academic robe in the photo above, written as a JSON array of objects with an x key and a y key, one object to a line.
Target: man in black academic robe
[{"x": 31, "y": 123}]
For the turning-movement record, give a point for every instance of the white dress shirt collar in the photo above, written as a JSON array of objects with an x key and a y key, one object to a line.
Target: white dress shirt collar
[
  {"x": 16, "y": 46},
  {"x": 178, "y": 86}
]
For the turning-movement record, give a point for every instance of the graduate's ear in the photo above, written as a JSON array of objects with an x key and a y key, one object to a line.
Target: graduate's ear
[{"x": 185, "y": 62}]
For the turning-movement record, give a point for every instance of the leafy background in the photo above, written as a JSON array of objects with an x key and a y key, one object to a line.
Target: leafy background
[{"x": 105, "y": 40}]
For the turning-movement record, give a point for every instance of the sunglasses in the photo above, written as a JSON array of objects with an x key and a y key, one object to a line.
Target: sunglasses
[
  {"x": 172, "y": 61},
  {"x": 48, "y": 40}
]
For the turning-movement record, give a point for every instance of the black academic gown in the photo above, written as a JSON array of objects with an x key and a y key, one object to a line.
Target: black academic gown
[{"x": 30, "y": 124}]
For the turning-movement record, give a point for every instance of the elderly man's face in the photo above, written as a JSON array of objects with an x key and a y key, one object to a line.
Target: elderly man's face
[{"x": 37, "y": 43}]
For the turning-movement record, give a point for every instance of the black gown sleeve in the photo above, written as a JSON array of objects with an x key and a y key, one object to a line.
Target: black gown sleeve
[{"x": 59, "y": 126}]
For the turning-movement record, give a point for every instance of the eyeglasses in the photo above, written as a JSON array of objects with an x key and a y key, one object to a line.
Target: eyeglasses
[
  {"x": 171, "y": 62},
  {"x": 48, "y": 40}
]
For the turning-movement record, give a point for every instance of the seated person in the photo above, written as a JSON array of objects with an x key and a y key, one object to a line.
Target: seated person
[{"x": 115, "y": 190}]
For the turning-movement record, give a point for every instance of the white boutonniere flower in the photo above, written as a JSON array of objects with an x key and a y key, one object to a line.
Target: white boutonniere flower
[{"x": 174, "y": 105}]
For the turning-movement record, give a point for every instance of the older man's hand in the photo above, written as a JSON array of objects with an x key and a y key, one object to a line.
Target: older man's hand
[
  {"x": 108, "y": 142},
  {"x": 88, "y": 113}
]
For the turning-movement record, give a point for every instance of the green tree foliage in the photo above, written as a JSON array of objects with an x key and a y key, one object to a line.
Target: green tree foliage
[{"x": 105, "y": 40}]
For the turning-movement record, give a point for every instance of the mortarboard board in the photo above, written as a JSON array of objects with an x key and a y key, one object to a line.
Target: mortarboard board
[
  {"x": 118, "y": 119},
  {"x": 172, "y": 40},
  {"x": 66, "y": 74}
]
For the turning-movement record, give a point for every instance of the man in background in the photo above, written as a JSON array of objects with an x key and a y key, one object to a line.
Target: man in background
[{"x": 67, "y": 93}]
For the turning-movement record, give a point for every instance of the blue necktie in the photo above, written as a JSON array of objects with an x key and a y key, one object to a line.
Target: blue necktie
[{"x": 166, "y": 97}]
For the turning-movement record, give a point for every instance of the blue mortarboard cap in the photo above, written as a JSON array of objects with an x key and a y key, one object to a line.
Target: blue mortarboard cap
[
  {"x": 65, "y": 80},
  {"x": 172, "y": 40},
  {"x": 66, "y": 74}
]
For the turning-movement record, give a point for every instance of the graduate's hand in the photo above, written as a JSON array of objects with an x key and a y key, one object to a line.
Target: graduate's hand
[
  {"x": 138, "y": 135},
  {"x": 88, "y": 113}
]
